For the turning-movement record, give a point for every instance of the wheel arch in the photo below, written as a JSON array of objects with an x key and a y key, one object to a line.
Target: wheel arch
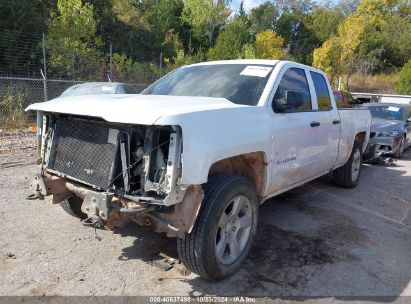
[
  {"x": 360, "y": 138},
  {"x": 252, "y": 166}
]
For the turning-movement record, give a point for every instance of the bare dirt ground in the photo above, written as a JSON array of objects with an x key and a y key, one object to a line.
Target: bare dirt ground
[{"x": 314, "y": 241}]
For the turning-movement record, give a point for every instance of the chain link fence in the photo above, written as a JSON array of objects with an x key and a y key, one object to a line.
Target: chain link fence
[{"x": 31, "y": 72}]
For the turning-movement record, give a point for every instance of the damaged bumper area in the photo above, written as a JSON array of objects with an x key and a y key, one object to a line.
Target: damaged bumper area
[
  {"x": 382, "y": 145},
  {"x": 121, "y": 173}
]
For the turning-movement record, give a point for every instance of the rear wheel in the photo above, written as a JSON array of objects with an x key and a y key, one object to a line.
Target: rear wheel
[
  {"x": 348, "y": 175},
  {"x": 72, "y": 205},
  {"x": 224, "y": 230}
]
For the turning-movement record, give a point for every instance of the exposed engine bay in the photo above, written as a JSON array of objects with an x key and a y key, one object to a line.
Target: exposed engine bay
[{"x": 120, "y": 172}]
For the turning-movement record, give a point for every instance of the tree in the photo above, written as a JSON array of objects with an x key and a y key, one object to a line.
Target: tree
[
  {"x": 21, "y": 24},
  {"x": 299, "y": 40},
  {"x": 241, "y": 11},
  {"x": 263, "y": 17},
  {"x": 294, "y": 6},
  {"x": 206, "y": 17},
  {"x": 268, "y": 45},
  {"x": 230, "y": 42},
  {"x": 161, "y": 16},
  {"x": 327, "y": 58},
  {"x": 404, "y": 83},
  {"x": 324, "y": 22},
  {"x": 347, "y": 7},
  {"x": 338, "y": 55},
  {"x": 72, "y": 40}
]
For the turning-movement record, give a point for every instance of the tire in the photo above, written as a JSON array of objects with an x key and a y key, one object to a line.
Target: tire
[
  {"x": 72, "y": 205},
  {"x": 198, "y": 250},
  {"x": 348, "y": 175},
  {"x": 400, "y": 149}
]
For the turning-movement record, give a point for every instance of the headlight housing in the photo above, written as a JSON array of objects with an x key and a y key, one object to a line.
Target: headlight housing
[{"x": 389, "y": 134}]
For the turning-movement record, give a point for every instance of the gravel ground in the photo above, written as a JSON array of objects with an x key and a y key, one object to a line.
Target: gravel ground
[
  {"x": 315, "y": 241},
  {"x": 14, "y": 141}
]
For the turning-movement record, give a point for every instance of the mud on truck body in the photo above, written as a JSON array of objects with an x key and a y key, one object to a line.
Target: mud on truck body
[{"x": 197, "y": 152}]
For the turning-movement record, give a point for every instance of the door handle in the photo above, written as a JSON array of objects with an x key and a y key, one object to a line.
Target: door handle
[
  {"x": 336, "y": 121},
  {"x": 315, "y": 124}
]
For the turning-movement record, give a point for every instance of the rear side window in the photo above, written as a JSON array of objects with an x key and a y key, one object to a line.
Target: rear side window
[
  {"x": 293, "y": 93},
  {"x": 321, "y": 90}
]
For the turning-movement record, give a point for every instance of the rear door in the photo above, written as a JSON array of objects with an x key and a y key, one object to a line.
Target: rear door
[{"x": 329, "y": 119}]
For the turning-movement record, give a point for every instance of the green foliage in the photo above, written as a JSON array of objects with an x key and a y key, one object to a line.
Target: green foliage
[
  {"x": 206, "y": 17},
  {"x": 230, "y": 42},
  {"x": 324, "y": 22},
  {"x": 351, "y": 37},
  {"x": 404, "y": 83},
  {"x": 263, "y": 17},
  {"x": 18, "y": 18},
  {"x": 371, "y": 40},
  {"x": 268, "y": 45},
  {"x": 72, "y": 40},
  {"x": 299, "y": 39},
  {"x": 12, "y": 106}
]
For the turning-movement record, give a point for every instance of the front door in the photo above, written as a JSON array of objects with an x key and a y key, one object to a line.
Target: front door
[{"x": 296, "y": 131}]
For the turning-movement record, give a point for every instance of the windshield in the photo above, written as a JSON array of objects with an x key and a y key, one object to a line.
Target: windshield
[
  {"x": 387, "y": 112},
  {"x": 90, "y": 89},
  {"x": 239, "y": 83}
]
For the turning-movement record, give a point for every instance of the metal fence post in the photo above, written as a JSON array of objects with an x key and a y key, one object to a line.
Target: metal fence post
[
  {"x": 161, "y": 64},
  {"x": 39, "y": 113},
  {"x": 111, "y": 63}
]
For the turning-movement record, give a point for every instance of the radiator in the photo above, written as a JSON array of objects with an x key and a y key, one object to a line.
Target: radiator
[{"x": 85, "y": 151}]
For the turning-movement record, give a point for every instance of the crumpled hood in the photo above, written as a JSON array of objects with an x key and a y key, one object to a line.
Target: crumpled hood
[
  {"x": 384, "y": 125},
  {"x": 133, "y": 109}
]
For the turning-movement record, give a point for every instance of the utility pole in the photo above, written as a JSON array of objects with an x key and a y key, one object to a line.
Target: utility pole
[
  {"x": 161, "y": 64},
  {"x": 111, "y": 63}
]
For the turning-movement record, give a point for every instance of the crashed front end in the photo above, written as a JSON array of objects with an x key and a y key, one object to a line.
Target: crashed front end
[
  {"x": 383, "y": 143},
  {"x": 120, "y": 172}
]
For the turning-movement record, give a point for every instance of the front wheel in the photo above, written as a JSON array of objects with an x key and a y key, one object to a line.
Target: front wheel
[
  {"x": 72, "y": 205},
  {"x": 400, "y": 148},
  {"x": 348, "y": 175},
  {"x": 224, "y": 230}
]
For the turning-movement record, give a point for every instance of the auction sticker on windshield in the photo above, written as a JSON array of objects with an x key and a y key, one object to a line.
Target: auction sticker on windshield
[
  {"x": 393, "y": 109},
  {"x": 258, "y": 71},
  {"x": 107, "y": 88}
]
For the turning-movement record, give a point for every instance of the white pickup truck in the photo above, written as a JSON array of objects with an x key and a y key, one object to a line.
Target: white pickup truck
[{"x": 197, "y": 152}]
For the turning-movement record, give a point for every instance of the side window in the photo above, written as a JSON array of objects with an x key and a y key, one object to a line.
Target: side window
[
  {"x": 293, "y": 93},
  {"x": 129, "y": 89},
  {"x": 321, "y": 89},
  {"x": 408, "y": 114},
  {"x": 120, "y": 90},
  {"x": 338, "y": 99}
]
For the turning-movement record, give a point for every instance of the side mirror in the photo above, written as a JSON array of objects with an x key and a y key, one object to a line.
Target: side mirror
[
  {"x": 409, "y": 119},
  {"x": 292, "y": 100}
]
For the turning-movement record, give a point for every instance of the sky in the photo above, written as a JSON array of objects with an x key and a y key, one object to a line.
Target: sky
[{"x": 249, "y": 4}]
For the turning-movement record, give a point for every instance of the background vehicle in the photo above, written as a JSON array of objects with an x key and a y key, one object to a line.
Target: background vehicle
[
  {"x": 198, "y": 151},
  {"x": 390, "y": 129},
  {"x": 98, "y": 88},
  {"x": 344, "y": 99}
]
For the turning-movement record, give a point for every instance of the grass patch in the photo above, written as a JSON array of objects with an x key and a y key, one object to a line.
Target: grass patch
[
  {"x": 12, "y": 114},
  {"x": 382, "y": 83}
]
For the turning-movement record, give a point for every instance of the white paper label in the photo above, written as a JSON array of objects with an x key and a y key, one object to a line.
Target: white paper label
[
  {"x": 112, "y": 136},
  {"x": 393, "y": 109},
  {"x": 107, "y": 88},
  {"x": 257, "y": 71}
]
